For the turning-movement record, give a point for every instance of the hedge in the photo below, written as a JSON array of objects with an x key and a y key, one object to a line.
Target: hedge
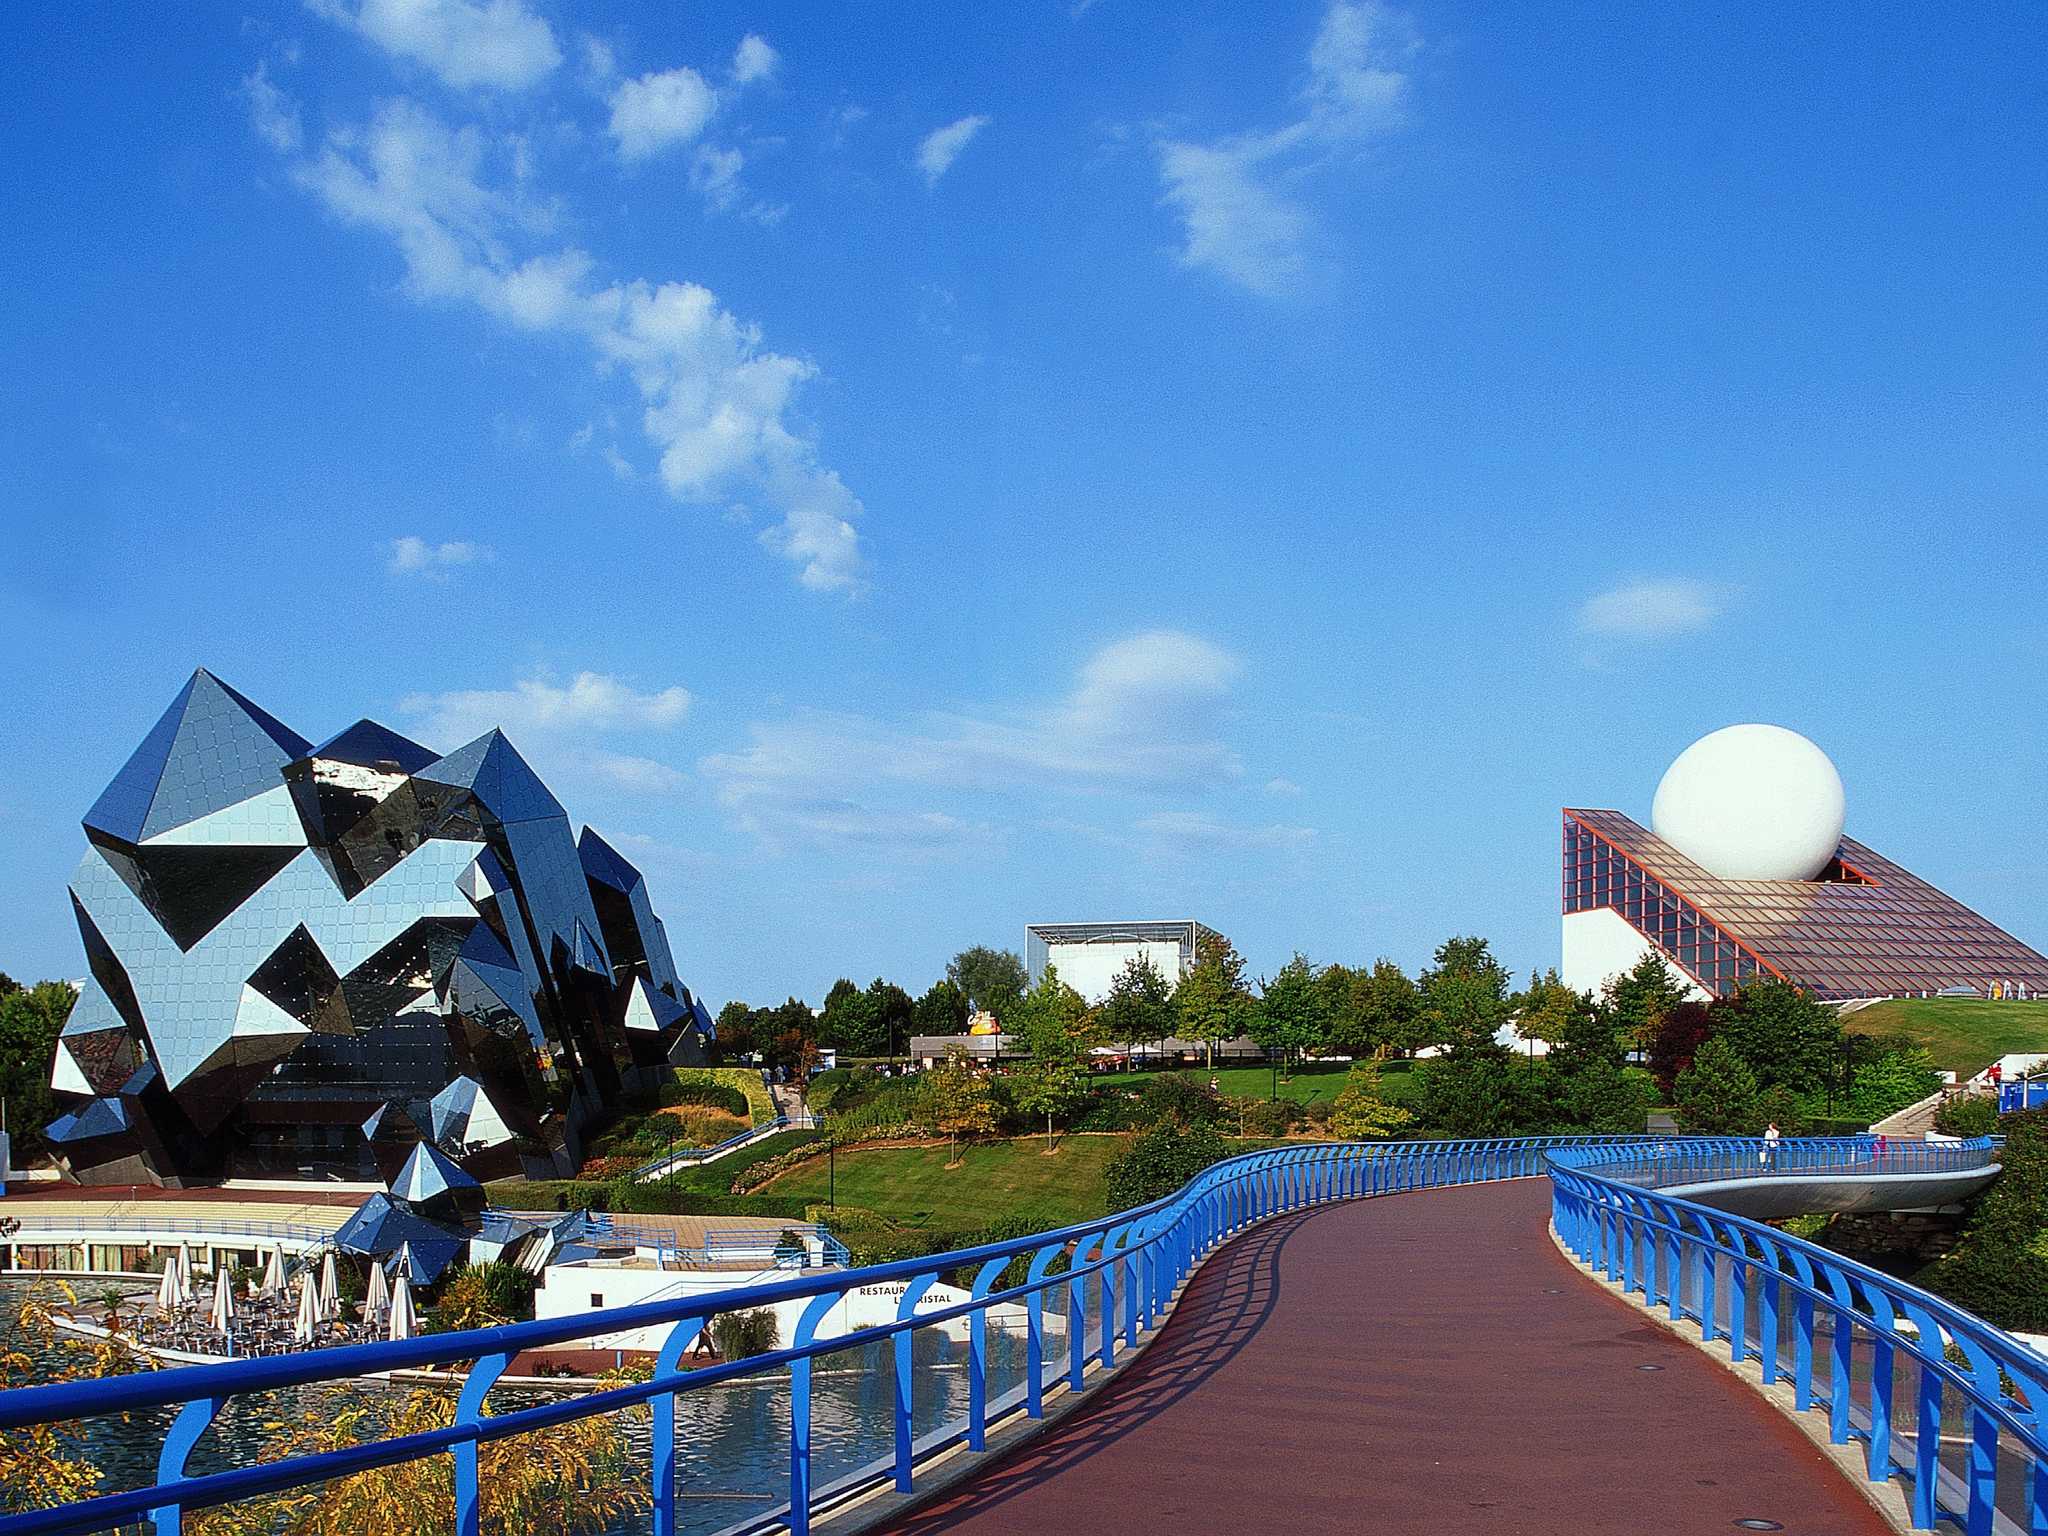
[{"x": 744, "y": 1081}]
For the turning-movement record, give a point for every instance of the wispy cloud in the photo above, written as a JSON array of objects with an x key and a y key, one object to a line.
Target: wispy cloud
[
  {"x": 497, "y": 43},
  {"x": 1654, "y": 609},
  {"x": 942, "y": 146},
  {"x": 412, "y": 555},
  {"x": 1283, "y": 788},
  {"x": 590, "y": 701},
  {"x": 273, "y": 114},
  {"x": 1239, "y": 199},
  {"x": 1145, "y": 713},
  {"x": 1197, "y": 832},
  {"x": 715, "y": 401}
]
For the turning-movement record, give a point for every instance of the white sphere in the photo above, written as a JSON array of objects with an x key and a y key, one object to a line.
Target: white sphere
[{"x": 1752, "y": 802}]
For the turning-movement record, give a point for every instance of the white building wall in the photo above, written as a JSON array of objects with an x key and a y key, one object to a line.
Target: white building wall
[
  {"x": 1090, "y": 968},
  {"x": 1601, "y": 943}
]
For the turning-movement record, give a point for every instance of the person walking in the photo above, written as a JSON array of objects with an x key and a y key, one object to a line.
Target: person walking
[{"x": 1769, "y": 1155}]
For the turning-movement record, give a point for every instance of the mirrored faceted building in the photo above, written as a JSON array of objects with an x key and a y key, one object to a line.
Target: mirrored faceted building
[{"x": 309, "y": 961}]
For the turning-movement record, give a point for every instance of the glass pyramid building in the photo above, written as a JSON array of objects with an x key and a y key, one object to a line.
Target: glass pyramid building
[
  {"x": 311, "y": 961},
  {"x": 1866, "y": 928}
]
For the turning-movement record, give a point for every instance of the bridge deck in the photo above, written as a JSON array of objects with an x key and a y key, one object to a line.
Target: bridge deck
[{"x": 1423, "y": 1362}]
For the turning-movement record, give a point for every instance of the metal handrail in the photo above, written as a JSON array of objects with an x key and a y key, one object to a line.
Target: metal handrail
[
  {"x": 685, "y": 1157},
  {"x": 1135, "y": 1262},
  {"x": 1667, "y": 1248},
  {"x": 175, "y": 1226}
]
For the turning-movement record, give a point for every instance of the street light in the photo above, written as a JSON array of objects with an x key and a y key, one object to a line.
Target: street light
[{"x": 832, "y": 1169}]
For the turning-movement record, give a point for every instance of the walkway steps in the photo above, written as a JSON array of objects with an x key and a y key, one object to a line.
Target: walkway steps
[{"x": 1419, "y": 1363}]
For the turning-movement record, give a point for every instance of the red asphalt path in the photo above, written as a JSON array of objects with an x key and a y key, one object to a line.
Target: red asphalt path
[{"x": 1414, "y": 1363}]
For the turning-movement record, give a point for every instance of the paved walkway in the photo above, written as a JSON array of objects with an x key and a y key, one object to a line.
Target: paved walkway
[{"x": 1417, "y": 1363}]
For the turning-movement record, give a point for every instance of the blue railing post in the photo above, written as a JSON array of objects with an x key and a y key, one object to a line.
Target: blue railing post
[
  {"x": 192, "y": 1421},
  {"x": 667, "y": 1361},
  {"x": 977, "y": 1357},
  {"x": 1034, "y": 1332},
  {"x": 469, "y": 1413},
  {"x": 906, "y": 1308},
  {"x": 800, "y": 1481}
]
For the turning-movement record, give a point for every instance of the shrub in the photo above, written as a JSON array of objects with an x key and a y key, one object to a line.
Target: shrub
[
  {"x": 1108, "y": 1109},
  {"x": 1264, "y": 1117},
  {"x": 698, "y": 1126},
  {"x": 743, "y": 1335},
  {"x": 710, "y": 1095},
  {"x": 609, "y": 1166},
  {"x": 1967, "y": 1115},
  {"x": 1158, "y": 1162},
  {"x": 745, "y": 1081},
  {"x": 1717, "y": 1094},
  {"x": 1178, "y": 1098}
]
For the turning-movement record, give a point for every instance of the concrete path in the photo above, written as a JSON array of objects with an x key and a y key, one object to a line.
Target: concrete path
[{"x": 1422, "y": 1363}]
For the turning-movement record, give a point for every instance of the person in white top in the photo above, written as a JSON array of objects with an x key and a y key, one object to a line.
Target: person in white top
[{"x": 1769, "y": 1154}]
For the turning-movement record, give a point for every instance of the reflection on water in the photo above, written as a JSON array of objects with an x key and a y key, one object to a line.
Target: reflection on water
[{"x": 734, "y": 1437}]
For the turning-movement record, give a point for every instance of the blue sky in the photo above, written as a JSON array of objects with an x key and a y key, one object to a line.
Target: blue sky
[{"x": 906, "y": 473}]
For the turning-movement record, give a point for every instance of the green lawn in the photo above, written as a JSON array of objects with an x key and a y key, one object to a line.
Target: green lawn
[
  {"x": 913, "y": 1187},
  {"x": 1963, "y": 1034}
]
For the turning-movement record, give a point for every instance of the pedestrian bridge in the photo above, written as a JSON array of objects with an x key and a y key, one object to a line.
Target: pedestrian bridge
[
  {"x": 1495, "y": 1336},
  {"x": 1837, "y": 1177}
]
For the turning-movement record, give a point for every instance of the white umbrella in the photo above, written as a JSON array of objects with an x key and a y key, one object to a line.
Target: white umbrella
[
  {"x": 167, "y": 1288},
  {"x": 223, "y": 1300},
  {"x": 330, "y": 1290},
  {"x": 377, "y": 1297},
  {"x": 308, "y": 1326},
  {"x": 273, "y": 1275},
  {"x": 185, "y": 1272},
  {"x": 402, "y": 1320}
]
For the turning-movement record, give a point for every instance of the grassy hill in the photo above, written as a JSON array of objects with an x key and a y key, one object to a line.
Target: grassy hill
[
  {"x": 914, "y": 1187},
  {"x": 1963, "y": 1034}
]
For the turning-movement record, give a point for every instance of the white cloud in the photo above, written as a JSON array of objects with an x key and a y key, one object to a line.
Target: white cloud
[
  {"x": 499, "y": 43},
  {"x": 1238, "y": 197},
  {"x": 942, "y": 146},
  {"x": 660, "y": 111},
  {"x": 714, "y": 401},
  {"x": 591, "y": 701},
  {"x": 1654, "y": 609},
  {"x": 1284, "y": 788},
  {"x": 273, "y": 114},
  {"x": 414, "y": 556},
  {"x": 753, "y": 60}
]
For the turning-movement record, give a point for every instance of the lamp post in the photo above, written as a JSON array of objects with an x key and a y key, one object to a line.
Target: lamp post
[
  {"x": 1274, "y": 1062},
  {"x": 832, "y": 1169}
]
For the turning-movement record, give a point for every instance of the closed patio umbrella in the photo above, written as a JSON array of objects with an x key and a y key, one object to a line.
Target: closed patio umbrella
[
  {"x": 273, "y": 1275},
  {"x": 377, "y": 1297},
  {"x": 167, "y": 1287},
  {"x": 223, "y": 1300},
  {"x": 330, "y": 1290},
  {"x": 403, "y": 1322},
  {"x": 307, "y": 1328}
]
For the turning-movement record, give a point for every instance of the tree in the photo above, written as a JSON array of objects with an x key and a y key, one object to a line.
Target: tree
[
  {"x": 1464, "y": 996},
  {"x": 1052, "y": 1088},
  {"x": 1889, "y": 1079},
  {"x": 31, "y": 1018},
  {"x": 1212, "y": 1002},
  {"x": 941, "y": 1011},
  {"x": 1358, "y": 1113},
  {"x": 1293, "y": 1015},
  {"x": 847, "y": 1016},
  {"x": 1589, "y": 1080},
  {"x": 991, "y": 979},
  {"x": 1640, "y": 996},
  {"x": 1480, "y": 1090},
  {"x": 1382, "y": 1011},
  {"x": 963, "y": 1107},
  {"x": 736, "y": 1034},
  {"x": 1053, "y": 1020},
  {"x": 1718, "y": 1094},
  {"x": 1140, "y": 1003},
  {"x": 895, "y": 1016},
  {"x": 1784, "y": 1033},
  {"x": 1680, "y": 1030}
]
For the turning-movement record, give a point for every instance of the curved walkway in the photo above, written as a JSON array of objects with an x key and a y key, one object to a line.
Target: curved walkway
[{"x": 1415, "y": 1363}]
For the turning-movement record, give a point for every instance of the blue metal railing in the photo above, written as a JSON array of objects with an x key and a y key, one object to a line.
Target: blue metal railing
[
  {"x": 2027, "y": 1093},
  {"x": 1131, "y": 1263},
  {"x": 1751, "y": 1285},
  {"x": 1705, "y": 1159}
]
